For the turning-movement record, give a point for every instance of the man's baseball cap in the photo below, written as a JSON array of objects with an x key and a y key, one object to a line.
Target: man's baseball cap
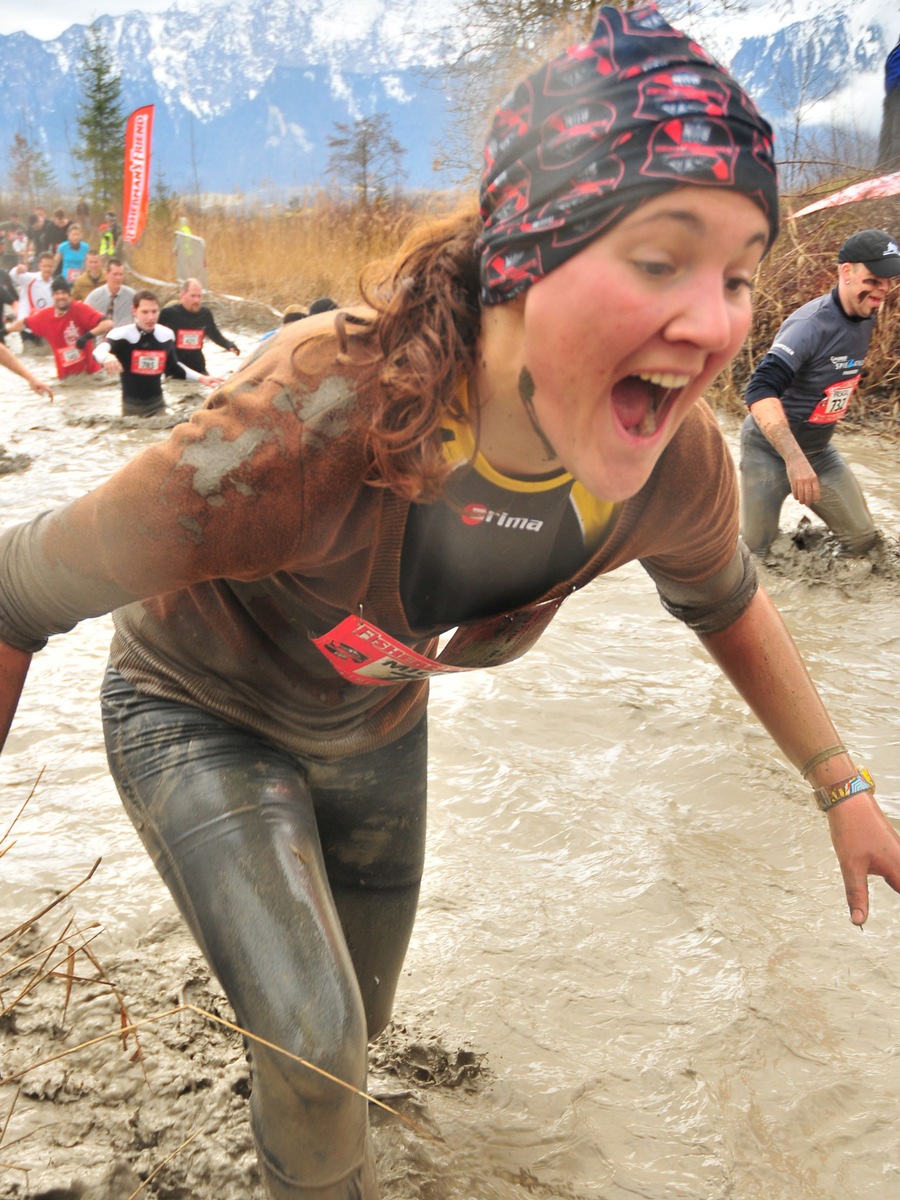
[
  {"x": 60, "y": 284},
  {"x": 876, "y": 249}
]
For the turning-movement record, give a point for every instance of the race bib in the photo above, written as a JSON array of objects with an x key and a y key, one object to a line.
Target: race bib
[
  {"x": 69, "y": 355},
  {"x": 834, "y": 404},
  {"x": 189, "y": 339},
  {"x": 148, "y": 362},
  {"x": 362, "y": 653}
]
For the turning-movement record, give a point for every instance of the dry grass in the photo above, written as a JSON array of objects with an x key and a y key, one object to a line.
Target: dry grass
[{"x": 287, "y": 257}]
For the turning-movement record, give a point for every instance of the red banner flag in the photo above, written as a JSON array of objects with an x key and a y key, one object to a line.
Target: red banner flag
[
  {"x": 138, "y": 138},
  {"x": 869, "y": 189}
]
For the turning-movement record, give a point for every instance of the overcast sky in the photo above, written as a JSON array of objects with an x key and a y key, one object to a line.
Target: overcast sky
[{"x": 48, "y": 18}]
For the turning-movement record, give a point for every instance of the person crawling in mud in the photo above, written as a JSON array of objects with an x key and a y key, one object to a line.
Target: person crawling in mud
[{"x": 516, "y": 410}]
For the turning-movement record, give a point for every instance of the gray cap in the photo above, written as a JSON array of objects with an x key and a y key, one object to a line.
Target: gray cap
[{"x": 876, "y": 249}]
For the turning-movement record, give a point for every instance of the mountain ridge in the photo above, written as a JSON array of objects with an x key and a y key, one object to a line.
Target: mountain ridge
[{"x": 246, "y": 94}]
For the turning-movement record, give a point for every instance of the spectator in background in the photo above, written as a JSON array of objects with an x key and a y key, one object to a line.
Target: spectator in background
[
  {"x": 192, "y": 323},
  {"x": 70, "y": 254},
  {"x": 91, "y": 277},
  {"x": 59, "y": 229},
  {"x": 113, "y": 298},
  {"x": 43, "y": 234},
  {"x": 83, "y": 215},
  {"x": 35, "y": 291},
  {"x": 12, "y": 245},
  {"x": 110, "y": 233},
  {"x": 889, "y": 142}
]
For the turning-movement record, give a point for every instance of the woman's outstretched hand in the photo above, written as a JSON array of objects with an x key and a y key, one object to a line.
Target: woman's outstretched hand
[{"x": 866, "y": 844}]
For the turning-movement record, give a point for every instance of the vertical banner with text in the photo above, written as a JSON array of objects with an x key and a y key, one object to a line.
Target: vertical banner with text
[{"x": 136, "y": 192}]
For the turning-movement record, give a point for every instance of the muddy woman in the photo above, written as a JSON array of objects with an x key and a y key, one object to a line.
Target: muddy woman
[{"x": 516, "y": 409}]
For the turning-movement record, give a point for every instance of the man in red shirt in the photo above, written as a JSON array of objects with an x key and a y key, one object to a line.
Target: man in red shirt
[{"x": 68, "y": 327}]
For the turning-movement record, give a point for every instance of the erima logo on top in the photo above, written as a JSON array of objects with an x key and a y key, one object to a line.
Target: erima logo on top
[{"x": 480, "y": 514}]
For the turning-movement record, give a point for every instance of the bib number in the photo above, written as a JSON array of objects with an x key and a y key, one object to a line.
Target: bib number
[{"x": 834, "y": 404}]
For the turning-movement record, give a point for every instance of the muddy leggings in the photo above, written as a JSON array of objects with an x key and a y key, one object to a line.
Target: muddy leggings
[{"x": 299, "y": 881}]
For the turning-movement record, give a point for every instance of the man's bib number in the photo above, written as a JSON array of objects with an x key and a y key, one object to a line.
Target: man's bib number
[
  {"x": 148, "y": 362},
  {"x": 189, "y": 339},
  {"x": 834, "y": 404}
]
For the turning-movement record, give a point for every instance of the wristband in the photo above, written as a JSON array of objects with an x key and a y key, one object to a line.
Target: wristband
[
  {"x": 822, "y": 756},
  {"x": 828, "y": 797}
]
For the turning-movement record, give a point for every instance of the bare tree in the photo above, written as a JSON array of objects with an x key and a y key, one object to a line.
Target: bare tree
[
  {"x": 30, "y": 172},
  {"x": 505, "y": 39},
  {"x": 366, "y": 157}
]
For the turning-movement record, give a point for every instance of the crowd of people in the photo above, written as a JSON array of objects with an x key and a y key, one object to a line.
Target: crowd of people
[{"x": 59, "y": 290}]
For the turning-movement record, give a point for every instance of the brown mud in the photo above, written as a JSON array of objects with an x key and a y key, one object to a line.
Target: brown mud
[{"x": 162, "y": 1109}]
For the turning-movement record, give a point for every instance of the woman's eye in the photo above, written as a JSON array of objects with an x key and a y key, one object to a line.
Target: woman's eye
[
  {"x": 737, "y": 283},
  {"x": 656, "y": 270}
]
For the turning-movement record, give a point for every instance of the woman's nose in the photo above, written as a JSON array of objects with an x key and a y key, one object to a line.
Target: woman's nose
[{"x": 703, "y": 316}]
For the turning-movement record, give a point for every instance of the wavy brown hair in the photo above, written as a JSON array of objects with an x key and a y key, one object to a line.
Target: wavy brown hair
[{"x": 424, "y": 333}]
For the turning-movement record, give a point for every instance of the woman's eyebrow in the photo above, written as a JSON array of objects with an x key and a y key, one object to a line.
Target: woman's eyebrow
[{"x": 693, "y": 221}]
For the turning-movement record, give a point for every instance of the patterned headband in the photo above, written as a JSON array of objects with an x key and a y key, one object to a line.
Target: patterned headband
[{"x": 587, "y": 137}]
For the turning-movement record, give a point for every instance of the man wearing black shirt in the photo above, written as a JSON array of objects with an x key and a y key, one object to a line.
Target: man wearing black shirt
[
  {"x": 141, "y": 354},
  {"x": 192, "y": 323}
]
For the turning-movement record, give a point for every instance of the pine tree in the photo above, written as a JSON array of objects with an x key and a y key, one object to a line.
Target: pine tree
[{"x": 101, "y": 125}]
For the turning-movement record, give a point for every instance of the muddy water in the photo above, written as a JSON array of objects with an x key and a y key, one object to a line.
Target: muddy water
[{"x": 632, "y": 918}]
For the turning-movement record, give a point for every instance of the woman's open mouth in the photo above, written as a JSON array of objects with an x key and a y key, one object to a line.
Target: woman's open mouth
[{"x": 642, "y": 402}]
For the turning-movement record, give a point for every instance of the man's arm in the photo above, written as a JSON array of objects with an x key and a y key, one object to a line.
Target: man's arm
[
  {"x": 769, "y": 382},
  {"x": 770, "y": 416},
  {"x": 217, "y": 335},
  {"x": 757, "y": 653},
  {"x": 176, "y": 369},
  {"x": 9, "y": 360},
  {"x": 103, "y": 325}
]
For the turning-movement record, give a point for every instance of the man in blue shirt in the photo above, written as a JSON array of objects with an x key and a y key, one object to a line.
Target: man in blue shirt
[{"x": 798, "y": 393}]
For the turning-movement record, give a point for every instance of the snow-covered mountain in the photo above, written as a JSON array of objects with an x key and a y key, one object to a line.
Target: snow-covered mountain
[{"x": 247, "y": 93}]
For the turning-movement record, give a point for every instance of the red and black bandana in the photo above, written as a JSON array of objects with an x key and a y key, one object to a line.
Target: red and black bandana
[{"x": 591, "y": 134}]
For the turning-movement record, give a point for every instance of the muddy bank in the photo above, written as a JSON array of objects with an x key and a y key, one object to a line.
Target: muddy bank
[{"x": 162, "y": 1109}]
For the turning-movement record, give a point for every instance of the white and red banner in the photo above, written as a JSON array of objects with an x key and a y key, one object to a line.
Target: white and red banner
[
  {"x": 868, "y": 189},
  {"x": 136, "y": 191}
]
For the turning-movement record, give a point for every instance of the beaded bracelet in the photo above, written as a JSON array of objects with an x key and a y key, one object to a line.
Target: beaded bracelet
[
  {"x": 822, "y": 756},
  {"x": 828, "y": 797}
]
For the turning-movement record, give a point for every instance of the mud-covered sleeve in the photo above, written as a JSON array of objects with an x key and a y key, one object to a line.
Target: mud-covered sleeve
[
  {"x": 702, "y": 572},
  {"x": 712, "y": 604},
  {"x": 221, "y": 498}
]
